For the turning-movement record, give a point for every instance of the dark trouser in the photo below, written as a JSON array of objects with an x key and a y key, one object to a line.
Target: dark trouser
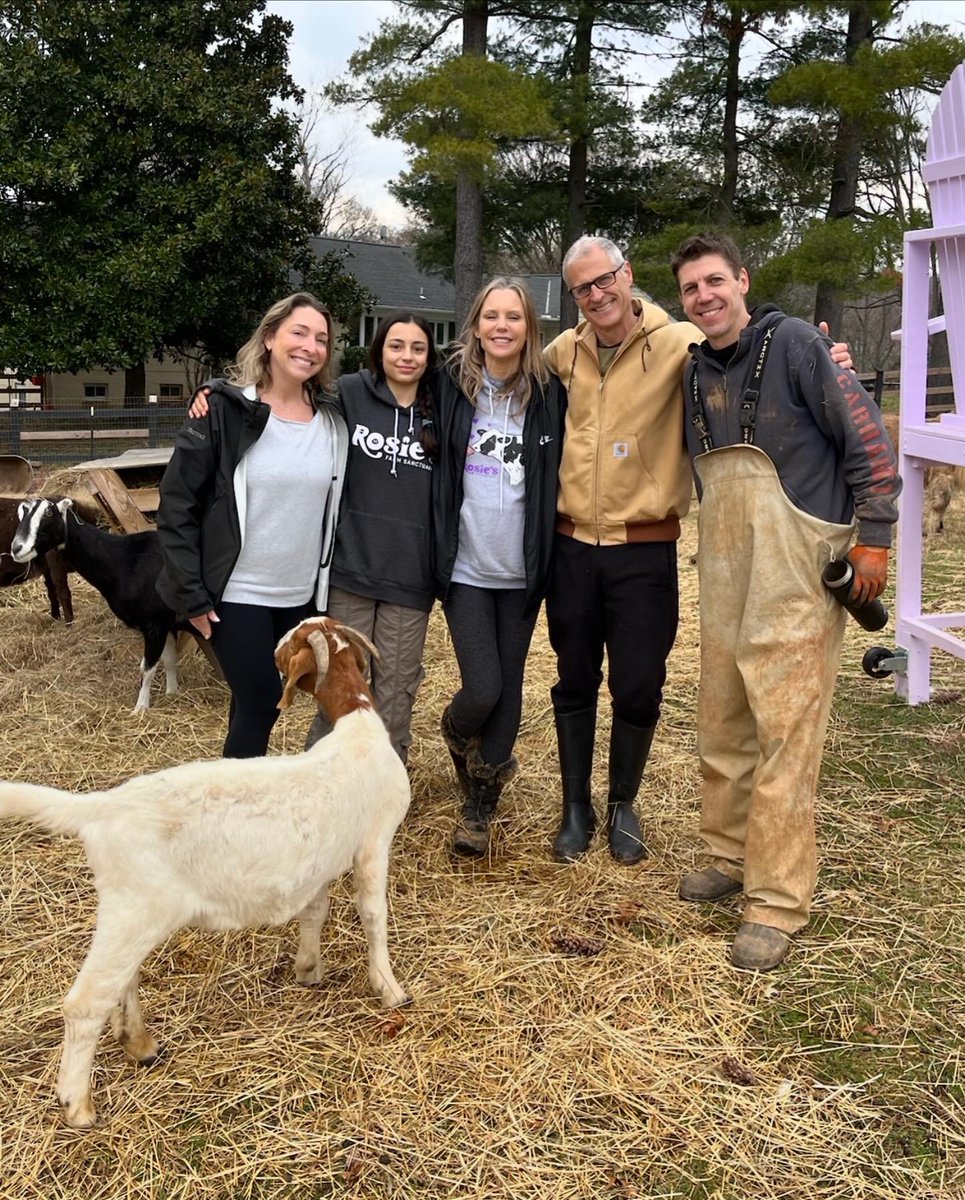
[
  {"x": 491, "y": 638},
  {"x": 621, "y": 599},
  {"x": 244, "y": 641}
]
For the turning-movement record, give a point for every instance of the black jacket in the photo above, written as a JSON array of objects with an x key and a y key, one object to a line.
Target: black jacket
[
  {"x": 542, "y": 449},
  {"x": 198, "y": 523}
]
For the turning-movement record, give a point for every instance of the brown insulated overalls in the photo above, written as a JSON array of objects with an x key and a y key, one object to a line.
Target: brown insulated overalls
[{"x": 770, "y": 641}]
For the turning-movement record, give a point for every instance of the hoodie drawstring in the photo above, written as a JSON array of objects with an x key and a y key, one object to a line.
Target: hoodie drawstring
[{"x": 508, "y": 396}]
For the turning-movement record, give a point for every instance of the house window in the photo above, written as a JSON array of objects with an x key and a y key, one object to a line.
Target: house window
[
  {"x": 367, "y": 328},
  {"x": 443, "y": 332},
  {"x": 95, "y": 391},
  {"x": 171, "y": 391}
]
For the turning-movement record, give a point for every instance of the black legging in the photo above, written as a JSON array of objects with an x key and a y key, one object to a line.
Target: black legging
[
  {"x": 244, "y": 641},
  {"x": 491, "y": 638}
]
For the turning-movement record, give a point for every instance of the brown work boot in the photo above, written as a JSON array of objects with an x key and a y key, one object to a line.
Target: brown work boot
[
  {"x": 707, "y": 885},
  {"x": 759, "y": 947}
]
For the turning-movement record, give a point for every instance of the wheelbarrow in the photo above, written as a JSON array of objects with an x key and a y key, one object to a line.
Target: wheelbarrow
[{"x": 16, "y": 475}]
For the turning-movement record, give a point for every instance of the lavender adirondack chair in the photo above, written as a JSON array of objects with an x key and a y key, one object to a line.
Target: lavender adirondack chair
[{"x": 924, "y": 444}]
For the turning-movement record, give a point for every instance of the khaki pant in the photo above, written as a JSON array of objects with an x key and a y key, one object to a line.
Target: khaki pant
[
  {"x": 770, "y": 642},
  {"x": 399, "y": 635}
]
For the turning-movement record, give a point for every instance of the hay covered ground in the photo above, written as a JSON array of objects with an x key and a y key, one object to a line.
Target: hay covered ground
[{"x": 577, "y": 1031}]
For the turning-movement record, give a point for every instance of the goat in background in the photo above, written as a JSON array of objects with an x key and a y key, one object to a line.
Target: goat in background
[
  {"x": 942, "y": 484},
  {"x": 50, "y": 566},
  {"x": 230, "y": 844},
  {"x": 124, "y": 569}
]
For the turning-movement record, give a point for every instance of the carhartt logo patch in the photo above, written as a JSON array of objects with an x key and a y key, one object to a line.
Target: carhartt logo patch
[{"x": 621, "y": 449}]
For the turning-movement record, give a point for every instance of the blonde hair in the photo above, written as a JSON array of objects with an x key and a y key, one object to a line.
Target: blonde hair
[
  {"x": 252, "y": 363},
  {"x": 469, "y": 360}
]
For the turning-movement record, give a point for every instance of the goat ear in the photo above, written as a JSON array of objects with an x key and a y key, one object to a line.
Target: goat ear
[
  {"x": 64, "y": 506},
  {"x": 300, "y": 664}
]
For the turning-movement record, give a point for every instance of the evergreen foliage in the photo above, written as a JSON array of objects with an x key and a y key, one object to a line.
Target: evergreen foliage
[{"x": 148, "y": 201}]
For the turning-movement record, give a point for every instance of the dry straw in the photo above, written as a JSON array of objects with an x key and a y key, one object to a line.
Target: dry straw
[{"x": 576, "y": 1031}]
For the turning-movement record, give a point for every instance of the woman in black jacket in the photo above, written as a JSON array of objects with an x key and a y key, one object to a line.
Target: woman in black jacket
[
  {"x": 248, "y": 506},
  {"x": 500, "y": 416}
]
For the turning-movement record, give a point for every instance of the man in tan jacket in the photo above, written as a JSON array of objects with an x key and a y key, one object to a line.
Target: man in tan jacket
[{"x": 624, "y": 485}]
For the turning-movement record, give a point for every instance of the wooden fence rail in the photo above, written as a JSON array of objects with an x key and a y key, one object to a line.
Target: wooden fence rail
[{"x": 885, "y": 385}]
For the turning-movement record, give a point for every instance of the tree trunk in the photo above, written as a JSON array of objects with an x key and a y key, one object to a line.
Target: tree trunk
[
  {"x": 468, "y": 259},
  {"x": 135, "y": 385},
  {"x": 733, "y": 29},
  {"x": 579, "y": 146},
  {"x": 848, "y": 146}
]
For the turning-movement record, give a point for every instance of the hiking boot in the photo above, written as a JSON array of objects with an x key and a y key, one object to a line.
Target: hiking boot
[
  {"x": 759, "y": 947},
  {"x": 484, "y": 783},
  {"x": 459, "y": 747},
  {"x": 707, "y": 885}
]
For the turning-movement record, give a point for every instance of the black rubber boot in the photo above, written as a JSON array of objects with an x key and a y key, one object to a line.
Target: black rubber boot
[
  {"x": 629, "y": 748},
  {"x": 485, "y": 784},
  {"x": 575, "y": 733},
  {"x": 459, "y": 747}
]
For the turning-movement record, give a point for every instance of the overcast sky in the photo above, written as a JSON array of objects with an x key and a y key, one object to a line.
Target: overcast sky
[{"x": 326, "y": 32}]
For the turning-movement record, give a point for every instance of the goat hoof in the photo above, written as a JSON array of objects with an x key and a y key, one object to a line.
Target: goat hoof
[
  {"x": 309, "y": 976},
  {"x": 150, "y": 1060},
  {"x": 80, "y": 1115},
  {"x": 397, "y": 1001}
]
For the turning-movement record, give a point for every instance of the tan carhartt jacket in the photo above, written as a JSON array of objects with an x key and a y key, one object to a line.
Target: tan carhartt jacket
[{"x": 625, "y": 476}]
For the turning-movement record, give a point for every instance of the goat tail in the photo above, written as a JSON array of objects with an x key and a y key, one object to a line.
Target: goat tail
[{"x": 52, "y": 809}]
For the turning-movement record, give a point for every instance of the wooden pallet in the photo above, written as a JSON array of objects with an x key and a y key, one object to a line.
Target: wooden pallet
[{"x": 126, "y": 487}]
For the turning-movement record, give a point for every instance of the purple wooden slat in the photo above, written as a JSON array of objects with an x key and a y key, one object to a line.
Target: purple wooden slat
[{"x": 921, "y": 443}]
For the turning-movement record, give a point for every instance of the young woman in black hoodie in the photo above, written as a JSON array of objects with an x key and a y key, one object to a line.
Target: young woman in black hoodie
[{"x": 381, "y": 581}]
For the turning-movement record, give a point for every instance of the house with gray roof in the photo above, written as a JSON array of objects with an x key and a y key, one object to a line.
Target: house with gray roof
[
  {"x": 390, "y": 272},
  {"x": 392, "y": 276}
]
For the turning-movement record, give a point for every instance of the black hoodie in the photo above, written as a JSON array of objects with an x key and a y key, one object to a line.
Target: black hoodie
[{"x": 382, "y": 540}]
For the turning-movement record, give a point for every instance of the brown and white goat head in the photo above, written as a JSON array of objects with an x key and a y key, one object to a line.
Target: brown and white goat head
[{"x": 305, "y": 656}]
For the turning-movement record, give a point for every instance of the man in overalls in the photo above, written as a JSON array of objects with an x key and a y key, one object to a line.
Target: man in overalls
[{"x": 789, "y": 455}]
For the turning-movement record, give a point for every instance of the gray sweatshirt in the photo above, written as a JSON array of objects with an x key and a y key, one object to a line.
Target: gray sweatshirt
[
  {"x": 815, "y": 422},
  {"x": 493, "y": 513}
]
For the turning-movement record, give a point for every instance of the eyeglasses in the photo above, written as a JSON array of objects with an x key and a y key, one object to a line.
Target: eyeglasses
[{"x": 582, "y": 290}]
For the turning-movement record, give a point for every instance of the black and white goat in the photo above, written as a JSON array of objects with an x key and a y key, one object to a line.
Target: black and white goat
[
  {"x": 231, "y": 844},
  {"x": 50, "y": 566},
  {"x": 123, "y": 568}
]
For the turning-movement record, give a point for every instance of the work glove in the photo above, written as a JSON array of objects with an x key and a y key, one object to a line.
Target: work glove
[{"x": 870, "y": 565}]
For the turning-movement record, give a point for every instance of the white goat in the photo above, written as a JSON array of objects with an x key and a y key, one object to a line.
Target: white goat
[{"x": 230, "y": 844}]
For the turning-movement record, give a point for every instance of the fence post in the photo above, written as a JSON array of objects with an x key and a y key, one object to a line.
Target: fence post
[
  {"x": 152, "y": 423},
  {"x": 16, "y": 424}
]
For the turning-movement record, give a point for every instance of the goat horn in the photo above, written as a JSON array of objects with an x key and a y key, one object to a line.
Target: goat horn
[
  {"x": 359, "y": 639},
  {"x": 319, "y": 644}
]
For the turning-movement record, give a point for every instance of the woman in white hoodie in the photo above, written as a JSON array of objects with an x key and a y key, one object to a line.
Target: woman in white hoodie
[{"x": 500, "y": 416}]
